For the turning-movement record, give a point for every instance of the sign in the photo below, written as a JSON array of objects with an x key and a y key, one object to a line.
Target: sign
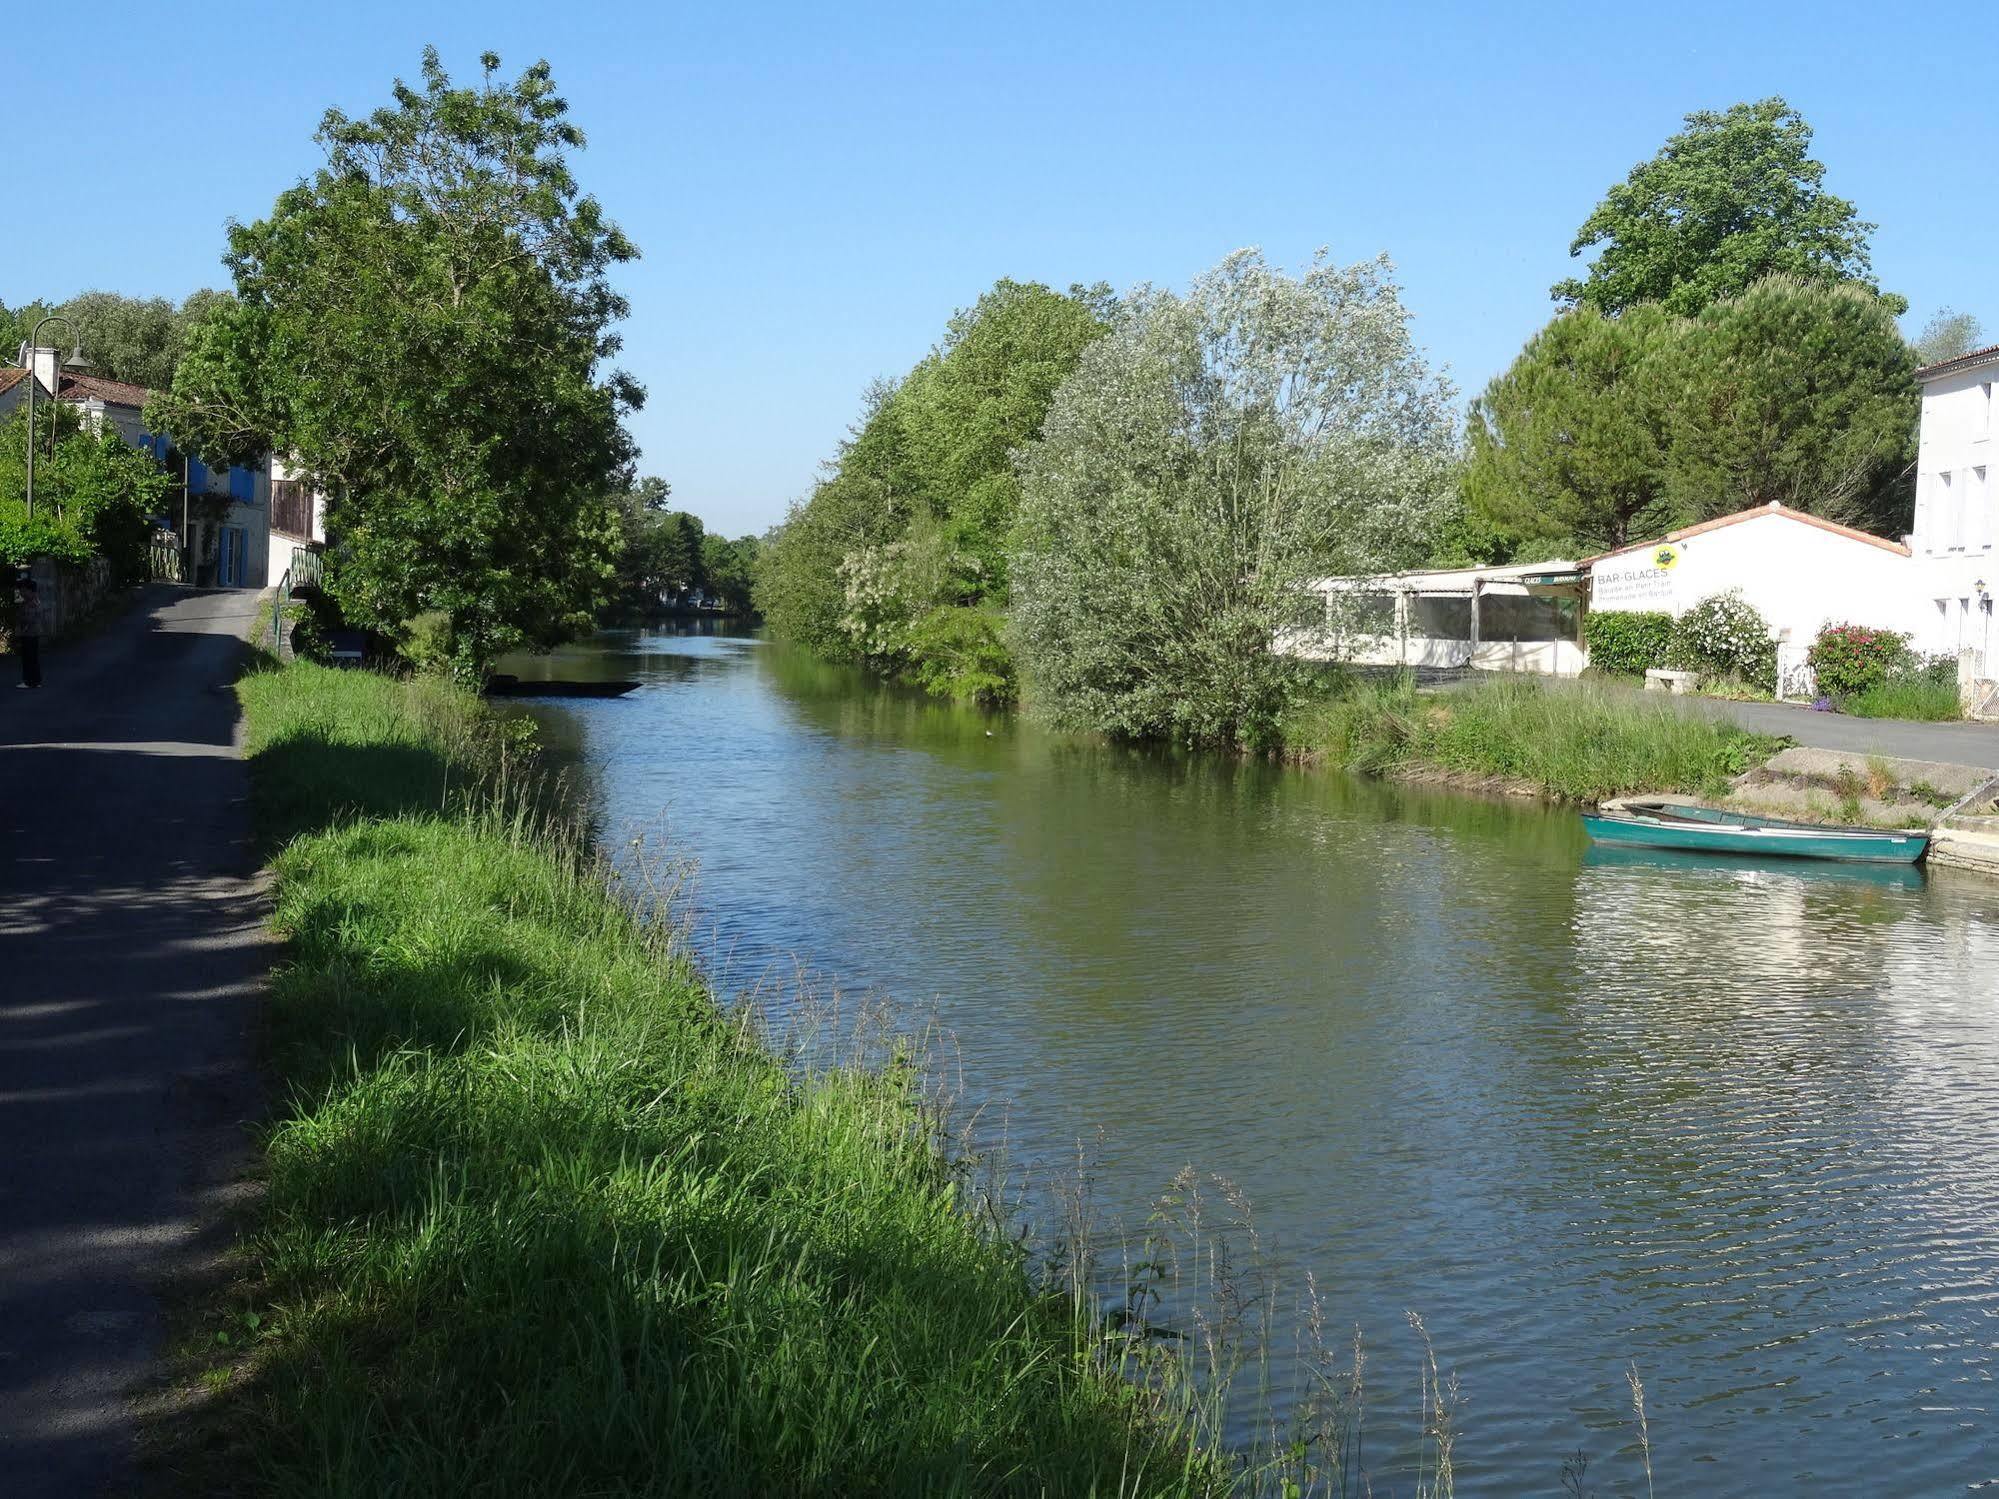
[{"x": 1641, "y": 581}]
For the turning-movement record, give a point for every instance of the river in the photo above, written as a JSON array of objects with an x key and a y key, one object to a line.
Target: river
[{"x": 1738, "y": 1128}]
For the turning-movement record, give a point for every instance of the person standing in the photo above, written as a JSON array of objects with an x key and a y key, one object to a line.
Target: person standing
[{"x": 29, "y": 622}]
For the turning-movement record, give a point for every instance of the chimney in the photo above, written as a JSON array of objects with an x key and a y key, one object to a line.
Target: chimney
[{"x": 43, "y": 362}]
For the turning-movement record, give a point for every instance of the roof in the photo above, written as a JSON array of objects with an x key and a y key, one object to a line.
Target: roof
[
  {"x": 1774, "y": 508},
  {"x": 1455, "y": 579},
  {"x": 1987, "y": 355},
  {"x": 95, "y": 387},
  {"x": 10, "y": 376}
]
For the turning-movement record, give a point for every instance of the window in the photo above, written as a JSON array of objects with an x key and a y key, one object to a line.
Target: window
[
  {"x": 1977, "y": 511},
  {"x": 1526, "y": 617},
  {"x": 1440, "y": 617},
  {"x": 1984, "y": 427},
  {"x": 1362, "y": 613},
  {"x": 1947, "y": 514}
]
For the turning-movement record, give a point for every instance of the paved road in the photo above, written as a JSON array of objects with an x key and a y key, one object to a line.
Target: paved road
[
  {"x": 131, "y": 955},
  {"x": 1952, "y": 743}
]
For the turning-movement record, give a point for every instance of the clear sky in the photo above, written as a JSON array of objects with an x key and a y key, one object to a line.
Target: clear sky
[{"x": 815, "y": 188}]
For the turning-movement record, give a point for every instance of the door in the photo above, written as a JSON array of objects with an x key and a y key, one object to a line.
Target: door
[{"x": 234, "y": 551}]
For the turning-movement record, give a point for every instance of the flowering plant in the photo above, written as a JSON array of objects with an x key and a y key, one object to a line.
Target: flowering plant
[
  {"x": 1724, "y": 636},
  {"x": 1850, "y": 659}
]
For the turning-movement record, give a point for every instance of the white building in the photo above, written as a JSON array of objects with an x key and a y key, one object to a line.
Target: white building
[
  {"x": 298, "y": 522},
  {"x": 1525, "y": 617},
  {"x": 1956, "y": 540},
  {"x": 1800, "y": 571}
]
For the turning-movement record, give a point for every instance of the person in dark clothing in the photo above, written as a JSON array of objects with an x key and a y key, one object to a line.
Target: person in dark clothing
[{"x": 29, "y": 622}]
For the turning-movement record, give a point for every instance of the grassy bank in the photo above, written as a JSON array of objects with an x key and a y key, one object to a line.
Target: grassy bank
[
  {"x": 1575, "y": 741},
  {"x": 542, "y": 1220}
]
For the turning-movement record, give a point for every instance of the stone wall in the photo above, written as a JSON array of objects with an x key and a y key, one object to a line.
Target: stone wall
[{"x": 70, "y": 594}]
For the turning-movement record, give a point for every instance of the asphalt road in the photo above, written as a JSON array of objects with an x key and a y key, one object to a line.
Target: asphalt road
[
  {"x": 132, "y": 953},
  {"x": 1951, "y": 743}
]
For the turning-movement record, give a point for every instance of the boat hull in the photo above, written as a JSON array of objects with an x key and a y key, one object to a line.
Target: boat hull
[{"x": 1790, "y": 841}]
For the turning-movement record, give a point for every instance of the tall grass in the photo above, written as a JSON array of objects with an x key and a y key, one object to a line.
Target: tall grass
[
  {"x": 543, "y": 1219},
  {"x": 1575, "y": 741},
  {"x": 1908, "y": 695}
]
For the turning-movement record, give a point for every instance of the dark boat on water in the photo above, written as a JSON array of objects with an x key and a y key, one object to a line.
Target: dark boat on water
[{"x": 501, "y": 684}]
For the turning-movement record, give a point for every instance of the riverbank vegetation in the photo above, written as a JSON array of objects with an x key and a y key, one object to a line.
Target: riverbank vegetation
[
  {"x": 1578, "y": 742},
  {"x": 668, "y": 562},
  {"x": 538, "y": 1209}
]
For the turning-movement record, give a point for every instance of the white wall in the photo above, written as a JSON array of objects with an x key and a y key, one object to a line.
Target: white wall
[
  {"x": 1956, "y": 540},
  {"x": 1799, "y": 576}
]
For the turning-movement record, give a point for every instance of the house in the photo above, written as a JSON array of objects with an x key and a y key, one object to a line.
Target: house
[
  {"x": 14, "y": 383},
  {"x": 1955, "y": 544},
  {"x": 1800, "y": 571},
  {"x": 298, "y": 522},
  {"x": 1523, "y": 617},
  {"x": 223, "y": 512}
]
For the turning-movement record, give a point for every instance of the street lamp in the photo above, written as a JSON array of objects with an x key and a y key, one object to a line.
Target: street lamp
[{"x": 34, "y": 343}]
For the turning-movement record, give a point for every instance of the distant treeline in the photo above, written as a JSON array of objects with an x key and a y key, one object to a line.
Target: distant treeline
[{"x": 668, "y": 563}]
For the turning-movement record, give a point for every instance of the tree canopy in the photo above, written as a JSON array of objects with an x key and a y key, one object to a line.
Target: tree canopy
[
  {"x": 135, "y": 339},
  {"x": 94, "y": 493},
  {"x": 1733, "y": 198},
  {"x": 1210, "y": 456},
  {"x": 420, "y": 327},
  {"x": 1605, "y": 430},
  {"x": 1567, "y": 447},
  {"x": 1946, "y": 335},
  {"x": 899, "y": 556}
]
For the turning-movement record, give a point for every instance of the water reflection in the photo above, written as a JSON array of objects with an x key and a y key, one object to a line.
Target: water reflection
[{"x": 1577, "y": 1107}]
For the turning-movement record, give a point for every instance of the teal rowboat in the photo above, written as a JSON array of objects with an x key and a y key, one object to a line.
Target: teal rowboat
[{"x": 1644, "y": 824}]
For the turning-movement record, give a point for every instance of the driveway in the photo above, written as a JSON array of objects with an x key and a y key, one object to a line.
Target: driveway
[{"x": 132, "y": 953}]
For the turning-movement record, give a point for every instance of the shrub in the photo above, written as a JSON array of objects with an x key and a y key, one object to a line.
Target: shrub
[
  {"x": 1849, "y": 660},
  {"x": 957, "y": 652},
  {"x": 1630, "y": 644},
  {"x": 1724, "y": 636},
  {"x": 425, "y": 641}
]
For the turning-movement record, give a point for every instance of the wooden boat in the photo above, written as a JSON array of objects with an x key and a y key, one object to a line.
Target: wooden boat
[
  {"x": 1662, "y": 824},
  {"x": 500, "y": 684}
]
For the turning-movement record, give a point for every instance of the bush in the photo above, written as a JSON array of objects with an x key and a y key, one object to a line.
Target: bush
[
  {"x": 1848, "y": 660},
  {"x": 1724, "y": 636},
  {"x": 425, "y": 641},
  {"x": 958, "y": 653},
  {"x": 1629, "y": 644}
]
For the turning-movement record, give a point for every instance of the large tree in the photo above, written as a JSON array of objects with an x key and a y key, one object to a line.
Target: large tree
[
  {"x": 134, "y": 339},
  {"x": 1568, "y": 447},
  {"x": 1796, "y": 392},
  {"x": 421, "y": 328},
  {"x": 1210, "y": 456},
  {"x": 1732, "y": 198}
]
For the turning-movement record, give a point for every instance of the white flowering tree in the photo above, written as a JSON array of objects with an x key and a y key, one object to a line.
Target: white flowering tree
[{"x": 1210, "y": 456}]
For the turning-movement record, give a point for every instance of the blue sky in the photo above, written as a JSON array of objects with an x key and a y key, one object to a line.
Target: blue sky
[{"x": 816, "y": 188}]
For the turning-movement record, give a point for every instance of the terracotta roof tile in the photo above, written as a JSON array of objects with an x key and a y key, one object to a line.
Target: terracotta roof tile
[
  {"x": 1987, "y": 355},
  {"x": 111, "y": 392},
  {"x": 1773, "y": 508},
  {"x": 10, "y": 376}
]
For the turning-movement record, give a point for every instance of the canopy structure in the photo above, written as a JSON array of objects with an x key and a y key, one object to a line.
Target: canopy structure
[{"x": 1521, "y": 617}]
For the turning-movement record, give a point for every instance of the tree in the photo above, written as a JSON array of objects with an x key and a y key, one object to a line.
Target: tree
[
  {"x": 907, "y": 531},
  {"x": 729, "y": 570},
  {"x": 1729, "y": 200},
  {"x": 1568, "y": 447},
  {"x": 420, "y": 328},
  {"x": 134, "y": 339},
  {"x": 1947, "y": 335},
  {"x": 1797, "y": 392},
  {"x": 1209, "y": 457},
  {"x": 95, "y": 494}
]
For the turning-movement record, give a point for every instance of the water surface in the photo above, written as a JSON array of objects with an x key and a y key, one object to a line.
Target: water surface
[{"x": 1736, "y": 1126}]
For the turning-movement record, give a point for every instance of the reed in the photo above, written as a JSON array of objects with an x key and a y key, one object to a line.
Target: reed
[{"x": 1572, "y": 741}]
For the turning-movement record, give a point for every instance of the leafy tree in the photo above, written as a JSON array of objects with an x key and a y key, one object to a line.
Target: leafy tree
[
  {"x": 729, "y": 570},
  {"x": 1946, "y": 336},
  {"x": 18, "y": 323},
  {"x": 135, "y": 339},
  {"x": 1729, "y": 200},
  {"x": 420, "y": 328},
  {"x": 1211, "y": 455},
  {"x": 914, "y": 515},
  {"x": 1568, "y": 447},
  {"x": 94, "y": 494},
  {"x": 1797, "y": 392}
]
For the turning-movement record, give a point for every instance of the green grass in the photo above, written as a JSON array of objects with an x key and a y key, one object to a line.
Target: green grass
[
  {"x": 541, "y": 1219},
  {"x": 1917, "y": 697},
  {"x": 1574, "y": 741}
]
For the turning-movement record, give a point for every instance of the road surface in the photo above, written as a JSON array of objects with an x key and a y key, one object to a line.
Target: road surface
[{"x": 131, "y": 956}]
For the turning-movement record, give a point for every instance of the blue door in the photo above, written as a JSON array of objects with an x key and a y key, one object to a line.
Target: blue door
[{"x": 234, "y": 554}]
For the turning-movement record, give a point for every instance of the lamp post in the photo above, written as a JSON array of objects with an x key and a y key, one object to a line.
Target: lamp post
[{"x": 34, "y": 343}]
